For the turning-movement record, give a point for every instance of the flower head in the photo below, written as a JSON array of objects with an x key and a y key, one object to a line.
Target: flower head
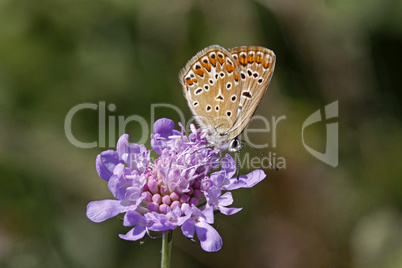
[{"x": 177, "y": 189}]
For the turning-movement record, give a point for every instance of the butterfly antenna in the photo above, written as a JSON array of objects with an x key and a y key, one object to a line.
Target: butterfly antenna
[{"x": 274, "y": 166}]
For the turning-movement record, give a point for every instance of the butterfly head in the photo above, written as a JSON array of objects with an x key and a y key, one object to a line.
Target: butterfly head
[{"x": 223, "y": 142}]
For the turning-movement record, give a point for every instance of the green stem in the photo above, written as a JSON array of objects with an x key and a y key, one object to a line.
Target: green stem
[{"x": 166, "y": 250}]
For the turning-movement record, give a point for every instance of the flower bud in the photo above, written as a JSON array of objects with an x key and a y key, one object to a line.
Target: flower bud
[
  {"x": 152, "y": 186},
  {"x": 175, "y": 204},
  {"x": 157, "y": 198},
  {"x": 174, "y": 196},
  {"x": 166, "y": 200},
  {"x": 184, "y": 198},
  {"x": 153, "y": 207},
  {"x": 163, "y": 208},
  {"x": 193, "y": 201},
  {"x": 148, "y": 196}
]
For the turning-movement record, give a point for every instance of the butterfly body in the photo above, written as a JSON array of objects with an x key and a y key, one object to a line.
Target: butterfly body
[{"x": 224, "y": 87}]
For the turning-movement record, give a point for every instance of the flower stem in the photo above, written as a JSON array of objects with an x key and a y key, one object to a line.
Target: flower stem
[{"x": 166, "y": 249}]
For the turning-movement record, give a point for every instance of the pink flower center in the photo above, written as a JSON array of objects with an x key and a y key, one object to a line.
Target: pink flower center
[{"x": 158, "y": 198}]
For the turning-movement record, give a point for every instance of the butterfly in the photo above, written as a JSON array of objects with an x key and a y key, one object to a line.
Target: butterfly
[{"x": 223, "y": 89}]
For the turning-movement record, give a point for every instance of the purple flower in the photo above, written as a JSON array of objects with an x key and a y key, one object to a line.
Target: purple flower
[{"x": 177, "y": 189}]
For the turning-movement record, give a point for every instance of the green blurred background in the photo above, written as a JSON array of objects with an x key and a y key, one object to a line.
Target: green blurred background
[{"x": 57, "y": 54}]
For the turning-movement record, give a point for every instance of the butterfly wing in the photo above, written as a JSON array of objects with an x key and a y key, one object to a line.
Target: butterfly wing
[
  {"x": 211, "y": 84},
  {"x": 256, "y": 66}
]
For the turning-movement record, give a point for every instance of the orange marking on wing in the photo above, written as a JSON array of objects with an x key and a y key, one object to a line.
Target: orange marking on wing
[
  {"x": 229, "y": 68},
  {"x": 213, "y": 61},
  {"x": 236, "y": 77},
  {"x": 259, "y": 59},
  {"x": 194, "y": 80},
  {"x": 207, "y": 66},
  {"x": 243, "y": 60},
  {"x": 200, "y": 72},
  {"x": 189, "y": 81},
  {"x": 250, "y": 58},
  {"x": 266, "y": 64},
  {"x": 220, "y": 59}
]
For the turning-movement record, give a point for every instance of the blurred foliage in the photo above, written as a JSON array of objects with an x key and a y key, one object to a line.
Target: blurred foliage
[{"x": 57, "y": 54}]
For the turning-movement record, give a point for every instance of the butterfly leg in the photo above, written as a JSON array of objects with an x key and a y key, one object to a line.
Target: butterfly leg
[{"x": 238, "y": 164}]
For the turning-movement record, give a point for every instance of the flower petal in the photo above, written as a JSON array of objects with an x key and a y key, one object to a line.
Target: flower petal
[
  {"x": 117, "y": 181},
  {"x": 214, "y": 193},
  {"x": 229, "y": 165},
  {"x": 105, "y": 163},
  {"x": 209, "y": 238},
  {"x": 208, "y": 213},
  {"x": 164, "y": 127},
  {"x": 159, "y": 222},
  {"x": 122, "y": 145},
  {"x": 245, "y": 181},
  {"x": 158, "y": 145},
  {"x": 134, "y": 218},
  {"x": 135, "y": 156},
  {"x": 229, "y": 211},
  {"x": 134, "y": 234},
  {"x": 98, "y": 211},
  {"x": 188, "y": 228},
  {"x": 226, "y": 199}
]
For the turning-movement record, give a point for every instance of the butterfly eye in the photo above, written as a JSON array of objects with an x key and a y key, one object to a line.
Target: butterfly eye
[
  {"x": 235, "y": 146},
  {"x": 234, "y": 143}
]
